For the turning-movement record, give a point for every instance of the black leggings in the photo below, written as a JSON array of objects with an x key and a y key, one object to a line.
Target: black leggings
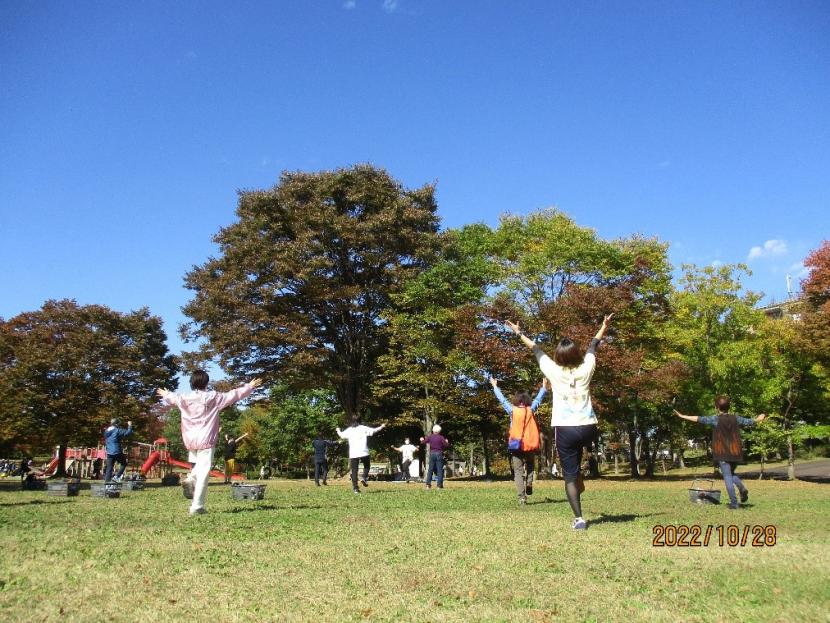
[
  {"x": 570, "y": 441},
  {"x": 353, "y": 463}
]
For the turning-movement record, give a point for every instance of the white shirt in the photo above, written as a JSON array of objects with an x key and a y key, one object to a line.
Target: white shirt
[
  {"x": 358, "y": 439},
  {"x": 407, "y": 452},
  {"x": 570, "y": 388}
]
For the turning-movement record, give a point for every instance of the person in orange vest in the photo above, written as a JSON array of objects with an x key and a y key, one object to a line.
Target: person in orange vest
[{"x": 523, "y": 441}]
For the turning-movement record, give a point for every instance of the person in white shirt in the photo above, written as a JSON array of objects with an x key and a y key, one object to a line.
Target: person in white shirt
[
  {"x": 358, "y": 436},
  {"x": 407, "y": 451},
  {"x": 572, "y": 414}
]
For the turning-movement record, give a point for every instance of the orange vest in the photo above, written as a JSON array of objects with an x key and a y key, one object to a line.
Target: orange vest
[{"x": 524, "y": 427}]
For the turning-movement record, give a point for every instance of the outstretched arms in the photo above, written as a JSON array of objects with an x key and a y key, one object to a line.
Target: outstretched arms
[
  {"x": 538, "y": 400},
  {"x": 514, "y": 327},
  {"x": 603, "y": 327},
  {"x": 505, "y": 403},
  {"x": 691, "y": 418}
]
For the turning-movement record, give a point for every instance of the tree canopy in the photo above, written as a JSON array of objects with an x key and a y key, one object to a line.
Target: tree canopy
[
  {"x": 305, "y": 275},
  {"x": 66, "y": 369}
]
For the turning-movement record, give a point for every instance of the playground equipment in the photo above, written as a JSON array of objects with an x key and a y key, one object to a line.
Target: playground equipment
[
  {"x": 160, "y": 456},
  {"x": 154, "y": 458}
]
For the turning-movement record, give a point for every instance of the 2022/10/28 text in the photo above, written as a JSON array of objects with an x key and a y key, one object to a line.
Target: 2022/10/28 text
[{"x": 703, "y": 536}]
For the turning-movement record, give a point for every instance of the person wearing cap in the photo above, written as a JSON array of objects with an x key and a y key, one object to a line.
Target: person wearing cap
[
  {"x": 112, "y": 439},
  {"x": 436, "y": 443}
]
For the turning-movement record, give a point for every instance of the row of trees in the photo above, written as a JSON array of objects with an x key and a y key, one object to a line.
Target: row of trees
[{"x": 340, "y": 290}]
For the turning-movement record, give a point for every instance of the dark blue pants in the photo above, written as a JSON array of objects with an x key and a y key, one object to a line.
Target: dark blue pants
[
  {"x": 436, "y": 466},
  {"x": 321, "y": 468},
  {"x": 731, "y": 481},
  {"x": 111, "y": 459},
  {"x": 354, "y": 464}
]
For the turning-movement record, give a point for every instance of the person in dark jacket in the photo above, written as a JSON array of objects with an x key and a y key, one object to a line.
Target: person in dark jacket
[
  {"x": 727, "y": 448},
  {"x": 321, "y": 460},
  {"x": 112, "y": 438}
]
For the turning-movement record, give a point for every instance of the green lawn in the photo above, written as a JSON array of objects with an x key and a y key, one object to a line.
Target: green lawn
[{"x": 399, "y": 553}]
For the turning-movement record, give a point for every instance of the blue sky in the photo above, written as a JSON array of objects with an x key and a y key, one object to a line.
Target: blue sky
[{"x": 128, "y": 127}]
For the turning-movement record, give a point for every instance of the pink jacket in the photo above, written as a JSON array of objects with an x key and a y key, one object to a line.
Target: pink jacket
[{"x": 200, "y": 414}]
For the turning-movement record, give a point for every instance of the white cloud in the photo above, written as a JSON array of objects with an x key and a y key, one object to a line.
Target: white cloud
[
  {"x": 390, "y": 6},
  {"x": 769, "y": 249},
  {"x": 798, "y": 270},
  {"x": 349, "y": 5}
]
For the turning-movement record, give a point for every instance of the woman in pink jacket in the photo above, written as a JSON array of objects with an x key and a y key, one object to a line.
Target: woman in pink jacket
[{"x": 200, "y": 426}]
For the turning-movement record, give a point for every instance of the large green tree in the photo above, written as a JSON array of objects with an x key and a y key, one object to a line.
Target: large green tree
[
  {"x": 305, "y": 276},
  {"x": 558, "y": 279},
  {"x": 65, "y": 369}
]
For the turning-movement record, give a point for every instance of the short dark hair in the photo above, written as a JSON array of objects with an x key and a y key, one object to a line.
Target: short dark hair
[
  {"x": 521, "y": 399},
  {"x": 199, "y": 380},
  {"x": 722, "y": 403},
  {"x": 354, "y": 421},
  {"x": 567, "y": 354}
]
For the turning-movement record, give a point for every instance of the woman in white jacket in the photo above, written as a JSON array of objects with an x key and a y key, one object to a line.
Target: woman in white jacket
[{"x": 572, "y": 414}]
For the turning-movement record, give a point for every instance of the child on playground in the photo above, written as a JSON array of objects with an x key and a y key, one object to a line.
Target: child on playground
[
  {"x": 727, "y": 448},
  {"x": 200, "y": 426},
  {"x": 525, "y": 431},
  {"x": 572, "y": 413}
]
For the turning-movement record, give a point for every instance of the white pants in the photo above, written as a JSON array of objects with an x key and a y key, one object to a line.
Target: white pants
[{"x": 200, "y": 474}]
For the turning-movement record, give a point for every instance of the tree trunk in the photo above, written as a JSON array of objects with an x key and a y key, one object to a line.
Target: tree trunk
[
  {"x": 646, "y": 452},
  {"x": 790, "y": 458},
  {"x": 680, "y": 457},
  {"x": 60, "y": 471},
  {"x": 486, "y": 453},
  {"x": 616, "y": 463},
  {"x": 632, "y": 452},
  {"x": 763, "y": 466}
]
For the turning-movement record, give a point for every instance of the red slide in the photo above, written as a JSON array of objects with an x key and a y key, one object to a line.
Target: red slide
[
  {"x": 214, "y": 472},
  {"x": 53, "y": 465}
]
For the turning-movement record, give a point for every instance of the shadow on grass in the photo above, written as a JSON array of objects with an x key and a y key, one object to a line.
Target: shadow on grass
[
  {"x": 50, "y": 501},
  {"x": 546, "y": 501},
  {"x": 274, "y": 507},
  {"x": 623, "y": 518}
]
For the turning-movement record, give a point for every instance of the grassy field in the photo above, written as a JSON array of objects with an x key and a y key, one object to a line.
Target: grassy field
[{"x": 399, "y": 553}]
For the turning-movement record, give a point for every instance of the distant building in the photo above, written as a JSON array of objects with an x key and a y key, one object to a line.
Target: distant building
[{"x": 785, "y": 309}]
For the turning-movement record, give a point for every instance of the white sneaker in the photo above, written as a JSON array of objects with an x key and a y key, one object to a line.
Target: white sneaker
[
  {"x": 579, "y": 524},
  {"x": 198, "y": 511}
]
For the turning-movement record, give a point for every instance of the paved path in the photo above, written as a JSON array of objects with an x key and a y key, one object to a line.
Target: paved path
[{"x": 814, "y": 471}]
